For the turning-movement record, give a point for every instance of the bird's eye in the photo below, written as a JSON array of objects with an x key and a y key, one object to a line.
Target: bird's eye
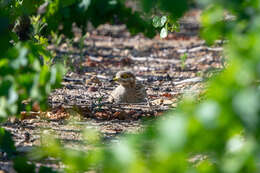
[{"x": 124, "y": 76}]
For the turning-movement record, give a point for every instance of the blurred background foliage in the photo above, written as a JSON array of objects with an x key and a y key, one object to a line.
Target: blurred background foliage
[{"x": 218, "y": 134}]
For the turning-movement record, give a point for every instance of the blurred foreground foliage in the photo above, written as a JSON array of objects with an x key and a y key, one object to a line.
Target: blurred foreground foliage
[{"x": 218, "y": 134}]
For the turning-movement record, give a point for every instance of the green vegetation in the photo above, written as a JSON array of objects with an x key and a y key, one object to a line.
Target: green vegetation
[
  {"x": 223, "y": 128},
  {"x": 164, "y": 22},
  {"x": 183, "y": 59}
]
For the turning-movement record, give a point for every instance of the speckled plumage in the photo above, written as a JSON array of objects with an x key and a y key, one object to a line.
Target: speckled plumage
[{"x": 129, "y": 91}]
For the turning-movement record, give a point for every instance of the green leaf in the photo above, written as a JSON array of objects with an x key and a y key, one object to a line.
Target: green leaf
[
  {"x": 156, "y": 21},
  {"x": 207, "y": 113},
  {"x": 246, "y": 104},
  {"x": 84, "y": 4},
  {"x": 173, "y": 134},
  {"x": 44, "y": 169},
  {"x": 21, "y": 165},
  {"x": 148, "y": 5},
  {"x": 21, "y": 59},
  {"x": 6, "y": 142},
  {"x": 3, "y": 107},
  {"x": 164, "y": 32},
  {"x": 163, "y": 20}
]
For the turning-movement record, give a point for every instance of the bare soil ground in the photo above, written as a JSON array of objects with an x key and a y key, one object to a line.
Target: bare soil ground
[{"x": 169, "y": 68}]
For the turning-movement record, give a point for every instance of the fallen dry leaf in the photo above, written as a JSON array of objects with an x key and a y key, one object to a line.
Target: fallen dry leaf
[
  {"x": 93, "y": 80},
  {"x": 162, "y": 102},
  {"x": 102, "y": 115},
  {"x": 167, "y": 102},
  {"x": 121, "y": 115},
  {"x": 168, "y": 95},
  {"x": 29, "y": 115},
  {"x": 131, "y": 112},
  {"x": 36, "y": 107},
  {"x": 57, "y": 114},
  {"x": 157, "y": 102},
  {"x": 90, "y": 63}
]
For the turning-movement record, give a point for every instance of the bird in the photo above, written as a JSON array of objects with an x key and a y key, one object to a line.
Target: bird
[{"x": 129, "y": 90}]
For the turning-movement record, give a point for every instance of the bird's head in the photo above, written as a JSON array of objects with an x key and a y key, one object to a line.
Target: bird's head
[{"x": 125, "y": 78}]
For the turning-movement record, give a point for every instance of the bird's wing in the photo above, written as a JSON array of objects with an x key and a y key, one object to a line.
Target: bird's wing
[{"x": 140, "y": 91}]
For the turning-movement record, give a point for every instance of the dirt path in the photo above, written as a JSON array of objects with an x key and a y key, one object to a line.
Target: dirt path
[{"x": 157, "y": 64}]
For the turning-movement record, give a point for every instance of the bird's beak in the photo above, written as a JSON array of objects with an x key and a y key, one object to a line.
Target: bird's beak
[{"x": 115, "y": 79}]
